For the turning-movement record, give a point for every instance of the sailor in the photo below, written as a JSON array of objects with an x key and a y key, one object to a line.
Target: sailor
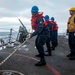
[
  {"x": 48, "y": 42},
  {"x": 71, "y": 33},
  {"x": 54, "y": 34},
  {"x": 42, "y": 32}
]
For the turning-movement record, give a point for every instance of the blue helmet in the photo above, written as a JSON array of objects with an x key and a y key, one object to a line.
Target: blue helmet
[
  {"x": 46, "y": 17},
  {"x": 52, "y": 18},
  {"x": 34, "y": 9}
]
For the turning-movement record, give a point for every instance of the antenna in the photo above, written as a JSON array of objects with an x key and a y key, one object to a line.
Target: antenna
[{"x": 10, "y": 35}]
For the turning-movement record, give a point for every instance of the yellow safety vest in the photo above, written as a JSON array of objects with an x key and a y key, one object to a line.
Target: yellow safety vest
[{"x": 71, "y": 24}]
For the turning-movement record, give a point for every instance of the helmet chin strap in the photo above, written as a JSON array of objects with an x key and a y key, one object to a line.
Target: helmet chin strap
[{"x": 34, "y": 14}]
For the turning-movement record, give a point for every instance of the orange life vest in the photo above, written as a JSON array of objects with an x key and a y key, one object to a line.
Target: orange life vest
[
  {"x": 46, "y": 23},
  {"x": 54, "y": 25},
  {"x": 34, "y": 20}
]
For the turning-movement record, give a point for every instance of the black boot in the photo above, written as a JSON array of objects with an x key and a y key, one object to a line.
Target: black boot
[
  {"x": 72, "y": 58},
  {"x": 53, "y": 48},
  {"x": 42, "y": 62},
  {"x": 38, "y": 55},
  {"x": 49, "y": 53},
  {"x": 70, "y": 55}
]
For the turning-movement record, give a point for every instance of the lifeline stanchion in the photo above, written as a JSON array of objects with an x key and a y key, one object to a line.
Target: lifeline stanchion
[{"x": 14, "y": 51}]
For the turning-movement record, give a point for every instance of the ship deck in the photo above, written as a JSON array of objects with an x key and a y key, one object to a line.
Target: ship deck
[{"x": 23, "y": 60}]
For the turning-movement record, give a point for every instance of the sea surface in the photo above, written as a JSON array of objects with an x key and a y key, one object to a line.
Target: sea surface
[{"x": 6, "y": 36}]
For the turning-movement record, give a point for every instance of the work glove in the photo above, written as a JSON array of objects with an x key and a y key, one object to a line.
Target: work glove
[{"x": 30, "y": 35}]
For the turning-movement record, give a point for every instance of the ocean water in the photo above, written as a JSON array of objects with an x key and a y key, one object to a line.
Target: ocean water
[{"x": 5, "y": 36}]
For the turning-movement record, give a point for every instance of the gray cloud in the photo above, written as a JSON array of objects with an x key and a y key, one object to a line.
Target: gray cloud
[{"x": 22, "y": 8}]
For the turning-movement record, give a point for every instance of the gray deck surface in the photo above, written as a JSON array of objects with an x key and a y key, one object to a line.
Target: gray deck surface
[{"x": 24, "y": 60}]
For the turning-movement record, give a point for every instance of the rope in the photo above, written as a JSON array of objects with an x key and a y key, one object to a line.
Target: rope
[{"x": 14, "y": 52}]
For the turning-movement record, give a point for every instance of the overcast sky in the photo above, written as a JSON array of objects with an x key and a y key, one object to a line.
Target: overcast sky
[{"x": 12, "y": 10}]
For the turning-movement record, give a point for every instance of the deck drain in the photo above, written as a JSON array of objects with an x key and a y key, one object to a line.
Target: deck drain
[{"x": 10, "y": 72}]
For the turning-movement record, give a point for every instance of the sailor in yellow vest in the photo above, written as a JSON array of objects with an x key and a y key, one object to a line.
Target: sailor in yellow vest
[{"x": 71, "y": 33}]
